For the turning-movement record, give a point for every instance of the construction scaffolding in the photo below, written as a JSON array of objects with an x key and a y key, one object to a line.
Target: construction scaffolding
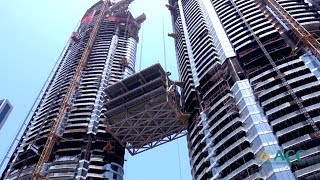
[
  {"x": 295, "y": 25},
  {"x": 54, "y": 132},
  {"x": 309, "y": 42},
  {"x": 305, "y": 37},
  {"x": 144, "y": 110}
]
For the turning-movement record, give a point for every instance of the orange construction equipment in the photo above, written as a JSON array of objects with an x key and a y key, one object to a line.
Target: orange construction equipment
[
  {"x": 45, "y": 155},
  {"x": 304, "y": 35}
]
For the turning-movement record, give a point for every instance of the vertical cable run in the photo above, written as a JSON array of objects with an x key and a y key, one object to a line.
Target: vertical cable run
[
  {"x": 164, "y": 46},
  {"x": 141, "y": 46},
  {"x": 179, "y": 160},
  {"x": 125, "y": 165}
]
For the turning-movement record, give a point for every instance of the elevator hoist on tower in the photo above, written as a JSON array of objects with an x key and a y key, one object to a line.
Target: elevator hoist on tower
[{"x": 144, "y": 111}]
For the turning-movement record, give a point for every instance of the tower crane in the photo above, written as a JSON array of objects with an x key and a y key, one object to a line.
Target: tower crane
[{"x": 53, "y": 134}]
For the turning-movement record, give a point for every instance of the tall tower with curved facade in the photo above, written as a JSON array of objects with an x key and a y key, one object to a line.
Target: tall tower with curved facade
[
  {"x": 84, "y": 149},
  {"x": 253, "y": 94}
]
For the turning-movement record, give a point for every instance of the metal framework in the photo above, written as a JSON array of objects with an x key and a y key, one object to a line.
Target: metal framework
[
  {"x": 143, "y": 110},
  {"x": 304, "y": 35},
  {"x": 53, "y": 135},
  {"x": 280, "y": 75}
]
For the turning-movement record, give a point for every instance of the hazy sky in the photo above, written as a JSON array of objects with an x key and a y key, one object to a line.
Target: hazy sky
[{"x": 32, "y": 35}]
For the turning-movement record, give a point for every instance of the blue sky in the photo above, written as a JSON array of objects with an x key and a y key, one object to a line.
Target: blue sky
[{"x": 32, "y": 35}]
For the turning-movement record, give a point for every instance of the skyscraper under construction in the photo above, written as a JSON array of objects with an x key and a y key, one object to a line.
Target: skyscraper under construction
[
  {"x": 251, "y": 83},
  {"x": 65, "y": 138},
  {"x": 249, "y": 73}
]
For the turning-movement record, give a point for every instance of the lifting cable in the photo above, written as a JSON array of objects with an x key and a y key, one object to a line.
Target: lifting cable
[
  {"x": 179, "y": 160},
  {"x": 141, "y": 46},
  {"x": 125, "y": 165},
  {"x": 165, "y": 67},
  {"x": 164, "y": 46}
]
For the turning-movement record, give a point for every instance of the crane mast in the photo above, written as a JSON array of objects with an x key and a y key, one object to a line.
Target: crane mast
[{"x": 45, "y": 154}]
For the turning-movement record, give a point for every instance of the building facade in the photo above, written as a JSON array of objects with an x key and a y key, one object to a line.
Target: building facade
[
  {"x": 252, "y": 95},
  {"x": 5, "y": 109},
  {"x": 84, "y": 149}
]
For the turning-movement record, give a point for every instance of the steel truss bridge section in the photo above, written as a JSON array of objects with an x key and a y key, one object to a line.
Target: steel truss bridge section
[{"x": 143, "y": 110}]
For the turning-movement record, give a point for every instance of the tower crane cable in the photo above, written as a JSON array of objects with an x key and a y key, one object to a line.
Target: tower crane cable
[
  {"x": 126, "y": 165},
  {"x": 141, "y": 46},
  {"x": 164, "y": 46},
  {"x": 179, "y": 160}
]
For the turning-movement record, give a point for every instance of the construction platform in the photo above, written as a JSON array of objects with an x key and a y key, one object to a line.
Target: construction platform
[{"x": 143, "y": 110}]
